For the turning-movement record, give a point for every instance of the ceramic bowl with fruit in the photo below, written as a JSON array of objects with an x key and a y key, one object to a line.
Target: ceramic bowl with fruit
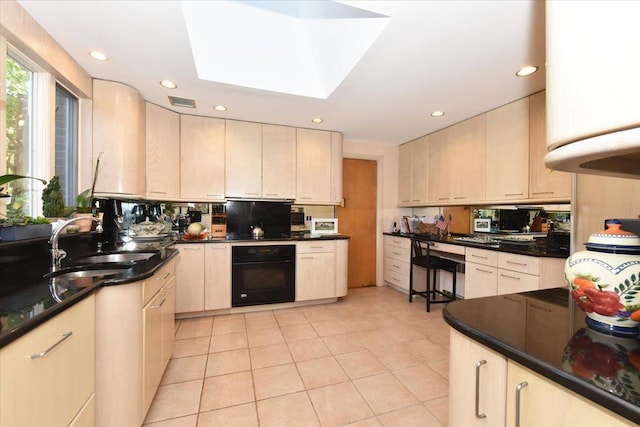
[
  {"x": 604, "y": 281},
  {"x": 195, "y": 231},
  {"x": 147, "y": 228}
]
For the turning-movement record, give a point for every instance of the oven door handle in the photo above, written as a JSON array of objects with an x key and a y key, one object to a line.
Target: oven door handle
[{"x": 263, "y": 262}]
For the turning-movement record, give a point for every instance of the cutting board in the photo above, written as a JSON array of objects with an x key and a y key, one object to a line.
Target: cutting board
[{"x": 461, "y": 217}]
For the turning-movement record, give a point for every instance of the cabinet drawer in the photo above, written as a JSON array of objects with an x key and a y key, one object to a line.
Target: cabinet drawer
[
  {"x": 445, "y": 247},
  {"x": 521, "y": 263},
  {"x": 314, "y": 247},
  {"x": 482, "y": 256},
  {"x": 402, "y": 267},
  {"x": 394, "y": 252},
  {"x": 511, "y": 282},
  {"x": 400, "y": 242},
  {"x": 480, "y": 280},
  {"x": 393, "y": 277},
  {"x": 153, "y": 284}
]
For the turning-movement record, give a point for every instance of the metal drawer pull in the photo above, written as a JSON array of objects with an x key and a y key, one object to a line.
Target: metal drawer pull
[
  {"x": 158, "y": 192},
  {"x": 537, "y": 307},
  {"x": 50, "y": 349},
  {"x": 517, "y": 263},
  {"x": 396, "y": 266},
  {"x": 166, "y": 275},
  {"x": 543, "y": 192},
  {"x": 214, "y": 195},
  {"x": 479, "y": 256},
  {"x": 483, "y": 271},
  {"x": 460, "y": 197},
  {"x": 478, "y": 365},
  {"x": 159, "y": 305},
  {"x": 519, "y": 388},
  {"x": 397, "y": 253},
  {"x": 509, "y": 277},
  {"x": 514, "y": 194}
]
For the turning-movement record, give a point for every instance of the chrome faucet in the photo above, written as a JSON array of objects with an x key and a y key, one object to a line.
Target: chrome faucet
[{"x": 57, "y": 254}]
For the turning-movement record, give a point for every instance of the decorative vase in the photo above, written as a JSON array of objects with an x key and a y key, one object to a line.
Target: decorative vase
[{"x": 604, "y": 281}]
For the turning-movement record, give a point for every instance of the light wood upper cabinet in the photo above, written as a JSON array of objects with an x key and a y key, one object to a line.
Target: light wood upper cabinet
[
  {"x": 119, "y": 116},
  {"x": 162, "y": 153},
  {"x": 440, "y": 163},
  {"x": 468, "y": 141},
  {"x": 404, "y": 174},
  {"x": 278, "y": 162},
  {"x": 544, "y": 183},
  {"x": 336, "y": 167},
  {"x": 202, "y": 158},
  {"x": 507, "y": 161},
  {"x": 412, "y": 172},
  {"x": 313, "y": 166},
  {"x": 243, "y": 154}
]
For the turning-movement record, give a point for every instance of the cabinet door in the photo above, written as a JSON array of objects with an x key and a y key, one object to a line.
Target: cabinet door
[
  {"x": 48, "y": 374},
  {"x": 119, "y": 116},
  {"x": 151, "y": 348},
  {"x": 201, "y": 158},
  {"x": 404, "y": 174},
  {"x": 336, "y": 168},
  {"x": 162, "y": 153},
  {"x": 243, "y": 153},
  {"x": 542, "y": 400},
  {"x": 419, "y": 169},
  {"x": 313, "y": 166},
  {"x": 217, "y": 276},
  {"x": 507, "y": 165},
  {"x": 480, "y": 280},
  {"x": 544, "y": 183},
  {"x": 439, "y": 166},
  {"x": 511, "y": 282},
  {"x": 342, "y": 263},
  {"x": 168, "y": 321},
  {"x": 278, "y": 162},
  {"x": 473, "y": 364},
  {"x": 315, "y": 276},
  {"x": 190, "y": 278},
  {"x": 468, "y": 165}
]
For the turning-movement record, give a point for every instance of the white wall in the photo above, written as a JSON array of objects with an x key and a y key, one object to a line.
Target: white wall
[{"x": 386, "y": 156}]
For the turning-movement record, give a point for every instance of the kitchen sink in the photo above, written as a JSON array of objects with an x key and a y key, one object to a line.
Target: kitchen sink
[
  {"x": 90, "y": 271},
  {"x": 115, "y": 257}
]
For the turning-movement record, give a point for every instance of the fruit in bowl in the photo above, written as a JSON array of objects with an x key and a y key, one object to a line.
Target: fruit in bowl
[{"x": 604, "y": 281}]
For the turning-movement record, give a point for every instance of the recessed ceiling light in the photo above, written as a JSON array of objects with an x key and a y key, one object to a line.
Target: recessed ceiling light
[
  {"x": 98, "y": 55},
  {"x": 168, "y": 84},
  {"x": 437, "y": 114},
  {"x": 526, "y": 71},
  {"x": 220, "y": 108},
  {"x": 317, "y": 120}
]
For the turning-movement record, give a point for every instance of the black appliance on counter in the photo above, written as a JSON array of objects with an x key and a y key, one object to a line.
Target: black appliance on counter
[
  {"x": 112, "y": 219},
  {"x": 513, "y": 220},
  {"x": 273, "y": 217},
  {"x": 263, "y": 274},
  {"x": 631, "y": 224}
]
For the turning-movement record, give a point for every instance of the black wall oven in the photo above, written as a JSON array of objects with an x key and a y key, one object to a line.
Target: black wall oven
[{"x": 263, "y": 274}]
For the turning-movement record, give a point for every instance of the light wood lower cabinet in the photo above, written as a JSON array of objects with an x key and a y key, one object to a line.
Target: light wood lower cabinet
[
  {"x": 342, "y": 267},
  {"x": 135, "y": 327},
  {"x": 485, "y": 385},
  {"x": 87, "y": 415},
  {"x": 47, "y": 376},
  {"x": 315, "y": 270},
  {"x": 217, "y": 276},
  {"x": 397, "y": 257},
  {"x": 190, "y": 272}
]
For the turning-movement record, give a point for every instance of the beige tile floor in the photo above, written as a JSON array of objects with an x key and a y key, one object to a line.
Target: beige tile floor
[{"x": 370, "y": 359}]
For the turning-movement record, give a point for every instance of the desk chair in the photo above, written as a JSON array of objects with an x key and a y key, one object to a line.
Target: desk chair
[{"x": 421, "y": 256}]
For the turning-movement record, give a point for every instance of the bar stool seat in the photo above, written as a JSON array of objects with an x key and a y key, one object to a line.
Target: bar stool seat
[{"x": 422, "y": 257}]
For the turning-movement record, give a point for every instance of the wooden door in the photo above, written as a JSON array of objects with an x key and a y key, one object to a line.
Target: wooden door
[{"x": 357, "y": 219}]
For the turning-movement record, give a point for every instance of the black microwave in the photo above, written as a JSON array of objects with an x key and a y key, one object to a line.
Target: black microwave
[{"x": 297, "y": 217}]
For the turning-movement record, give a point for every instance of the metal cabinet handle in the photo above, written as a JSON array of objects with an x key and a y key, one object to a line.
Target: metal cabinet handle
[
  {"x": 517, "y": 263},
  {"x": 213, "y": 195},
  {"x": 479, "y": 256},
  {"x": 166, "y": 275},
  {"x": 42, "y": 354},
  {"x": 519, "y": 388},
  {"x": 509, "y": 277},
  {"x": 514, "y": 194},
  {"x": 478, "y": 365},
  {"x": 484, "y": 271},
  {"x": 159, "y": 305}
]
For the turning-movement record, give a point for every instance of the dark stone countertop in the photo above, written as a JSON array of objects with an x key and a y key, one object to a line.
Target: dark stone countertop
[
  {"x": 292, "y": 238},
  {"x": 602, "y": 368},
  {"x": 510, "y": 247}
]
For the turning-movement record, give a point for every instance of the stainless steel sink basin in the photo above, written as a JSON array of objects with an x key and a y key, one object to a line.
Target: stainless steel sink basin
[
  {"x": 116, "y": 257},
  {"x": 103, "y": 272}
]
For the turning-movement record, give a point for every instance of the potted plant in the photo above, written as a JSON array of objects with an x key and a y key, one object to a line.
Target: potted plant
[
  {"x": 52, "y": 200},
  {"x": 83, "y": 208},
  {"x": 17, "y": 226}
]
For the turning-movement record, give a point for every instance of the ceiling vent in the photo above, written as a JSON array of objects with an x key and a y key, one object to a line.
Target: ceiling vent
[{"x": 182, "y": 102}]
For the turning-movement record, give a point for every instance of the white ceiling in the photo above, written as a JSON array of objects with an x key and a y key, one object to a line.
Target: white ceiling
[{"x": 456, "y": 56}]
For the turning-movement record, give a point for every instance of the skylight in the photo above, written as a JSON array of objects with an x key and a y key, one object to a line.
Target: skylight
[{"x": 302, "y": 48}]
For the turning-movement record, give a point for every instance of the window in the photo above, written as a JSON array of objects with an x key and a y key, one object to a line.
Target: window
[{"x": 66, "y": 163}]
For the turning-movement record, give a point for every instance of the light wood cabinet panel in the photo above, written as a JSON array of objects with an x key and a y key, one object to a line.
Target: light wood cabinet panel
[
  {"x": 50, "y": 389},
  {"x": 119, "y": 116},
  {"x": 168, "y": 321},
  {"x": 468, "y": 164},
  {"x": 342, "y": 264},
  {"x": 336, "y": 167},
  {"x": 404, "y": 174},
  {"x": 511, "y": 282},
  {"x": 190, "y": 273},
  {"x": 202, "y": 158},
  {"x": 480, "y": 280},
  {"x": 544, "y": 183},
  {"x": 162, "y": 153},
  {"x": 87, "y": 415},
  {"x": 278, "y": 162},
  {"x": 491, "y": 376},
  {"x": 440, "y": 165},
  {"x": 419, "y": 169},
  {"x": 217, "y": 276},
  {"x": 397, "y": 256},
  {"x": 507, "y": 158},
  {"x": 313, "y": 166},
  {"x": 152, "y": 368},
  {"x": 541, "y": 400},
  {"x": 315, "y": 271},
  {"x": 243, "y": 154}
]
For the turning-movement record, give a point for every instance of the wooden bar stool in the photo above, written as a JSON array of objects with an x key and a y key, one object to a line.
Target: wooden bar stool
[{"x": 432, "y": 264}]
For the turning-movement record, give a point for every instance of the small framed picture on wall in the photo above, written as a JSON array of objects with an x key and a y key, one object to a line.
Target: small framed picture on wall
[{"x": 324, "y": 226}]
